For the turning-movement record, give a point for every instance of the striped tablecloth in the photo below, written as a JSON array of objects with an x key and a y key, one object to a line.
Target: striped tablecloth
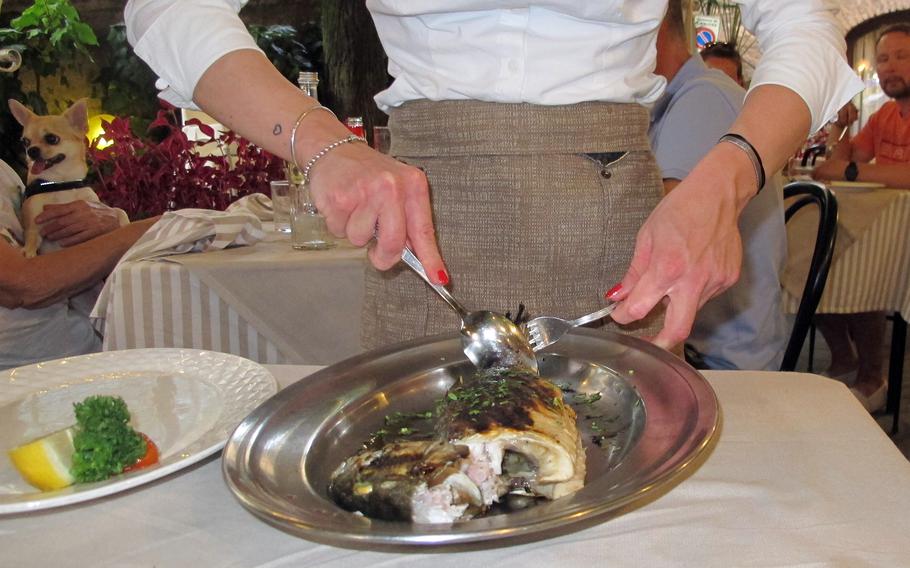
[
  {"x": 871, "y": 266},
  {"x": 266, "y": 302},
  {"x": 162, "y": 304}
]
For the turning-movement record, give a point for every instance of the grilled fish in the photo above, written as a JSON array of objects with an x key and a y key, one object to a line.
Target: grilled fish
[{"x": 500, "y": 432}]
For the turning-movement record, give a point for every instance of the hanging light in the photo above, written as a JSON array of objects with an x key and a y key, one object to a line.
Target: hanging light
[{"x": 95, "y": 132}]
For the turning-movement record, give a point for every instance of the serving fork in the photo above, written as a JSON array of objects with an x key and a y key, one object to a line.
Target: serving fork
[{"x": 547, "y": 330}]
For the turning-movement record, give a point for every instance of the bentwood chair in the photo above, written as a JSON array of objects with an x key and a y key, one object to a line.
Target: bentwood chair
[{"x": 808, "y": 193}]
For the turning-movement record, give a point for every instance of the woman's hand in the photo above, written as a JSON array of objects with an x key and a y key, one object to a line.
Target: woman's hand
[
  {"x": 689, "y": 250},
  {"x": 359, "y": 190},
  {"x": 354, "y": 187},
  {"x": 77, "y": 221},
  {"x": 847, "y": 115}
]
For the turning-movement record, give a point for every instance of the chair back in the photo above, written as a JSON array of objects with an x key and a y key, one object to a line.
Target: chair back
[{"x": 821, "y": 196}]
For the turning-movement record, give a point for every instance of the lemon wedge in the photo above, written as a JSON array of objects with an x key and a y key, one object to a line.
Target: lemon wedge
[{"x": 46, "y": 462}]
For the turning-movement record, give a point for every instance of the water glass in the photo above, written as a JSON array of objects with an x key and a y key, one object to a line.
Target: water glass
[
  {"x": 281, "y": 205},
  {"x": 308, "y": 229},
  {"x": 382, "y": 139}
]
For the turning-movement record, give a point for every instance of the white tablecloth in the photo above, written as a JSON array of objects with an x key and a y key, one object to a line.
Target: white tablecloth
[
  {"x": 870, "y": 270},
  {"x": 266, "y": 302},
  {"x": 801, "y": 475}
]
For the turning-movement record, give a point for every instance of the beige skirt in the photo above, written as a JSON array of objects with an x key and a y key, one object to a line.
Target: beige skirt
[{"x": 533, "y": 205}]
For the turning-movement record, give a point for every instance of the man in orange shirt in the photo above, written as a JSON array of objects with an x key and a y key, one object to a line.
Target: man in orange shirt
[
  {"x": 886, "y": 137},
  {"x": 856, "y": 339}
]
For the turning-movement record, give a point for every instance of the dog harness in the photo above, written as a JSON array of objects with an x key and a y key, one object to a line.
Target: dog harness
[{"x": 43, "y": 186}]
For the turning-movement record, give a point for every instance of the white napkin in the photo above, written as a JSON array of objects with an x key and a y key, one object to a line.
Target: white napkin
[
  {"x": 258, "y": 204},
  {"x": 185, "y": 231}
]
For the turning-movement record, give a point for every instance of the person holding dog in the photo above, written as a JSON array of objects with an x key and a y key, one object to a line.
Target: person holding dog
[
  {"x": 38, "y": 319},
  {"x": 529, "y": 120}
]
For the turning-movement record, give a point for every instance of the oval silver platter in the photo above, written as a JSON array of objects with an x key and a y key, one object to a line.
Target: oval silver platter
[{"x": 654, "y": 417}]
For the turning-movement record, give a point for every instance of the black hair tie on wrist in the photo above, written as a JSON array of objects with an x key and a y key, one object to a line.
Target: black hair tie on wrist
[{"x": 744, "y": 145}]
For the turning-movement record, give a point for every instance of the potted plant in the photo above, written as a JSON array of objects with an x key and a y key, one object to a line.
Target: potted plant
[
  {"x": 52, "y": 39},
  {"x": 164, "y": 171}
]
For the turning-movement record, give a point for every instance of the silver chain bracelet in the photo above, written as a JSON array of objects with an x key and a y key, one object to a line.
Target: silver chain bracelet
[{"x": 309, "y": 165}]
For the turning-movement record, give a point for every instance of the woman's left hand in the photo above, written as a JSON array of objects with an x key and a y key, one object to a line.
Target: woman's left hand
[
  {"x": 77, "y": 221},
  {"x": 689, "y": 250}
]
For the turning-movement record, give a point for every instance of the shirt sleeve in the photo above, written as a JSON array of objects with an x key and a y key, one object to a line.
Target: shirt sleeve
[
  {"x": 802, "y": 49},
  {"x": 166, "y": 35},
  {"x": 10, "y": 196},
  {"x": 690, "y": 127}
]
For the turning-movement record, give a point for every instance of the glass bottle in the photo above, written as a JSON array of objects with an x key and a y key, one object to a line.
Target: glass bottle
[
  {"x": 355, "y": 125},
  {"x": 308, "y": 229},
  {"x": 309, "y": 83}
]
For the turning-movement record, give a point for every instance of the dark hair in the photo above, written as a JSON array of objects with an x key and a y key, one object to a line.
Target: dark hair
[
  {"x": 724, "y": 50},
  {"x": 894, "y": 29},
  {"x": 674, "y": 17}
]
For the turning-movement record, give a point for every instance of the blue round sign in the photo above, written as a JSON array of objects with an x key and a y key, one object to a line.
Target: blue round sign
[{"x": 704, "y": 36}]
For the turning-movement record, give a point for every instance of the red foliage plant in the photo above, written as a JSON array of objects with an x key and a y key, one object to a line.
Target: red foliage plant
[{"x": 145, "y": 177}]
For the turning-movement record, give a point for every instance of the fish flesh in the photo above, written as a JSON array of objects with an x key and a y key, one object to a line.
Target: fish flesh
[{"x": 501, "y": 432}]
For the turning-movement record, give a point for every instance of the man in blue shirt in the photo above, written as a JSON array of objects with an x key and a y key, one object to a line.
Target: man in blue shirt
[{"x": 744, "y": 328}]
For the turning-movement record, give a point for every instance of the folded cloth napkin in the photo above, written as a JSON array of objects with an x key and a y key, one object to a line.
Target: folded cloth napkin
[
  {"x": 258, "y": 204},
  {"x": 185, "y": 231}
]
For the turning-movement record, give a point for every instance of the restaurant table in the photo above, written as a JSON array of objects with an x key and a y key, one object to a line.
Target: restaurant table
[
  {"x": 800, "y": 475},
  {"x": 266, "y": 302},
  {"x": 870, "y": 268}
]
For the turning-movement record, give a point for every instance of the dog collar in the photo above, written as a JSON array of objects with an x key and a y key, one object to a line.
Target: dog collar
[{"x": 43, "y": 186}]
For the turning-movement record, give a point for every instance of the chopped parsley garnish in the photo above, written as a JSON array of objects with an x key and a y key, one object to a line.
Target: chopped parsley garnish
[
  {"x": 581, "y": 398},
  {"x": 105, "y": 443}
]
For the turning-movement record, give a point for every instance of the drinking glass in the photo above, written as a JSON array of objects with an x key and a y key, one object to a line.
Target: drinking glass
[
  {"x": 382, "y": 139},
  {"x": 281, "y": 205},
  {"x": 308, "y": 229}
]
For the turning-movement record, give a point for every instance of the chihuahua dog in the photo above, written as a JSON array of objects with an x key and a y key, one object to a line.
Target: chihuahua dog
[{"x": 55, "y": 150}]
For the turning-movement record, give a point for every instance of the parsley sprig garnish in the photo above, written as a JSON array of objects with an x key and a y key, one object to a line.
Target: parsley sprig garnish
[{"x": 105, "y": 443}]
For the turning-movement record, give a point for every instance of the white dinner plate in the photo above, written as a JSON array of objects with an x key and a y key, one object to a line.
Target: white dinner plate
[
  {"x": 860, "y": 185},
  {"x": 187, "y": 401}
]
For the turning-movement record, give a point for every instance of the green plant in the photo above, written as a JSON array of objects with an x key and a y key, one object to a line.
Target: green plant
[
  {"x": 284, "y": 49},
  {"x": 126, "y": 85},
  {"x": 50, "y": 36}
]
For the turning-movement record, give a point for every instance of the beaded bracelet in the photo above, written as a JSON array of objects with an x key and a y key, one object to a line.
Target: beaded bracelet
[
  {"x": 309, "y": 165},
  {"x": 744, "y": 145},
  {"x": 297, "y": 125}
]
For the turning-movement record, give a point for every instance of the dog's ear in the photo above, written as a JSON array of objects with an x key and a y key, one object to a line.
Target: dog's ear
[
  {"x": 77, "y": 116},
  {"x": 23, "y": 115}
]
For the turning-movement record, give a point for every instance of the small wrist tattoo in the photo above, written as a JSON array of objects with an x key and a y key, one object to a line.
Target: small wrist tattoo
[{"x": 277, "y": 130}]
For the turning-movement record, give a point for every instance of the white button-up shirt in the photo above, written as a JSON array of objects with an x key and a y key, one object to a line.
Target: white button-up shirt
[{"x": 549, "y": 52}]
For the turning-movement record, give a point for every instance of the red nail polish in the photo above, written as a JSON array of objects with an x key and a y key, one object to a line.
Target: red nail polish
[
  {"x": 443, "y": 277},
  {"x": 613, "y": 291}
]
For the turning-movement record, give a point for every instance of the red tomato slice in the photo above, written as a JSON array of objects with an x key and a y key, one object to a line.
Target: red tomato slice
[{"x": 150, "y": 457}]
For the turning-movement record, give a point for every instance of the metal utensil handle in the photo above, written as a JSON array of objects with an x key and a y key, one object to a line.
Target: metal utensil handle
[
  {"x": 408, "y": 256},
  {"x": 601, "y": 313}
]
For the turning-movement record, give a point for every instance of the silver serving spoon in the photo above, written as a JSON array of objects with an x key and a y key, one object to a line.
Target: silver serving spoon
[{"x": 489, "y": 339}]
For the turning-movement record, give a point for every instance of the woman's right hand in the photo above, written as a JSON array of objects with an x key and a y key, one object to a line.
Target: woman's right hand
[
  {"x": 356, "y": 188},
  {"x": 847, "y": 115},
  {"x": 359, "y": 190}
]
